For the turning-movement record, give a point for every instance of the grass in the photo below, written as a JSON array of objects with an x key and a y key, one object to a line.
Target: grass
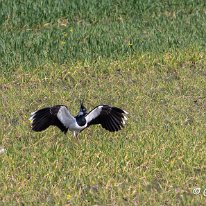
[
  {"x": 37, "y": 33},
  {"x": 156, "y": 160},
  {"x": 147, "y": 58}
]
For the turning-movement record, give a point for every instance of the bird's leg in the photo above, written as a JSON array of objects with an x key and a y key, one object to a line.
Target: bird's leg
[{"x": 75, "y": 133}]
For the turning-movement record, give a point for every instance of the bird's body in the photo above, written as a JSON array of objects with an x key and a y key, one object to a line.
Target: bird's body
[{"x": 111, "y": 118}]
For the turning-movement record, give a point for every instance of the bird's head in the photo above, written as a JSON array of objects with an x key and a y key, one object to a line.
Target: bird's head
[{"x": 83, "y": 110}]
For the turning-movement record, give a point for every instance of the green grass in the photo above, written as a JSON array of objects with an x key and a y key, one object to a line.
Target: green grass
[
  {"x": 37, "y": 33},
  {"x": 157, "y": 159},
  {"x": 147, "y": 57}
]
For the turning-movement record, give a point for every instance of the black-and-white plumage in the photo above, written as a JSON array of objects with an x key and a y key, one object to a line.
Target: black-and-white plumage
[{"x": 111, "y": 118}]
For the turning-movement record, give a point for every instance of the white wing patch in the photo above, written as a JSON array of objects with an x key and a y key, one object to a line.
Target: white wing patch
[
  {"x": 125, "y": 112},
  {"x": 65, "y": 117},
  {"x": 93, "y": 114},
  {"x": 32, "y": 116}
]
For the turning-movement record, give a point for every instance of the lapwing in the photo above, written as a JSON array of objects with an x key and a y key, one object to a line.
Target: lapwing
[{"x": 110, "y": 118}]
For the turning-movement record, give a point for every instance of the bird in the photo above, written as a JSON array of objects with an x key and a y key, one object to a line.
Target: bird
[{"x": 109, "y": 117}]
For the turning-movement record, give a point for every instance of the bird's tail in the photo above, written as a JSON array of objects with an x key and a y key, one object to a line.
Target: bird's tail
[{"x": 41, "y": 119}]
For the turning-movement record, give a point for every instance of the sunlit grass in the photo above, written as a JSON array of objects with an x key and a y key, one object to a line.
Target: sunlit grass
[
  {"x": 147, "y": 57},
  {"x": 157, "y": 159}
]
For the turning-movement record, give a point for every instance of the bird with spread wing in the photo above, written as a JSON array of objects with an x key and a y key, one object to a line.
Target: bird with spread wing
[{"x": 110, "y": 118}]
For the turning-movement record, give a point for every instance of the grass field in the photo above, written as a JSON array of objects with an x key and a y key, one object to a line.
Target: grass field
[{"x": 147, "y": 57}]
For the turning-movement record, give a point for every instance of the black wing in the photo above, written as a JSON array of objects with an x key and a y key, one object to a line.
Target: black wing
[
  {"x": 57, "y": 115},
  {"x": 111, "y": 118}
]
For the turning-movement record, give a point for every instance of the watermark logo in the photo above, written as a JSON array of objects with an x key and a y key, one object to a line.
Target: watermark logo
[
  {"x": 199, "y": 191},
  {"x": 196, "y": 191},
  {"x": 204, "y": 192}
]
